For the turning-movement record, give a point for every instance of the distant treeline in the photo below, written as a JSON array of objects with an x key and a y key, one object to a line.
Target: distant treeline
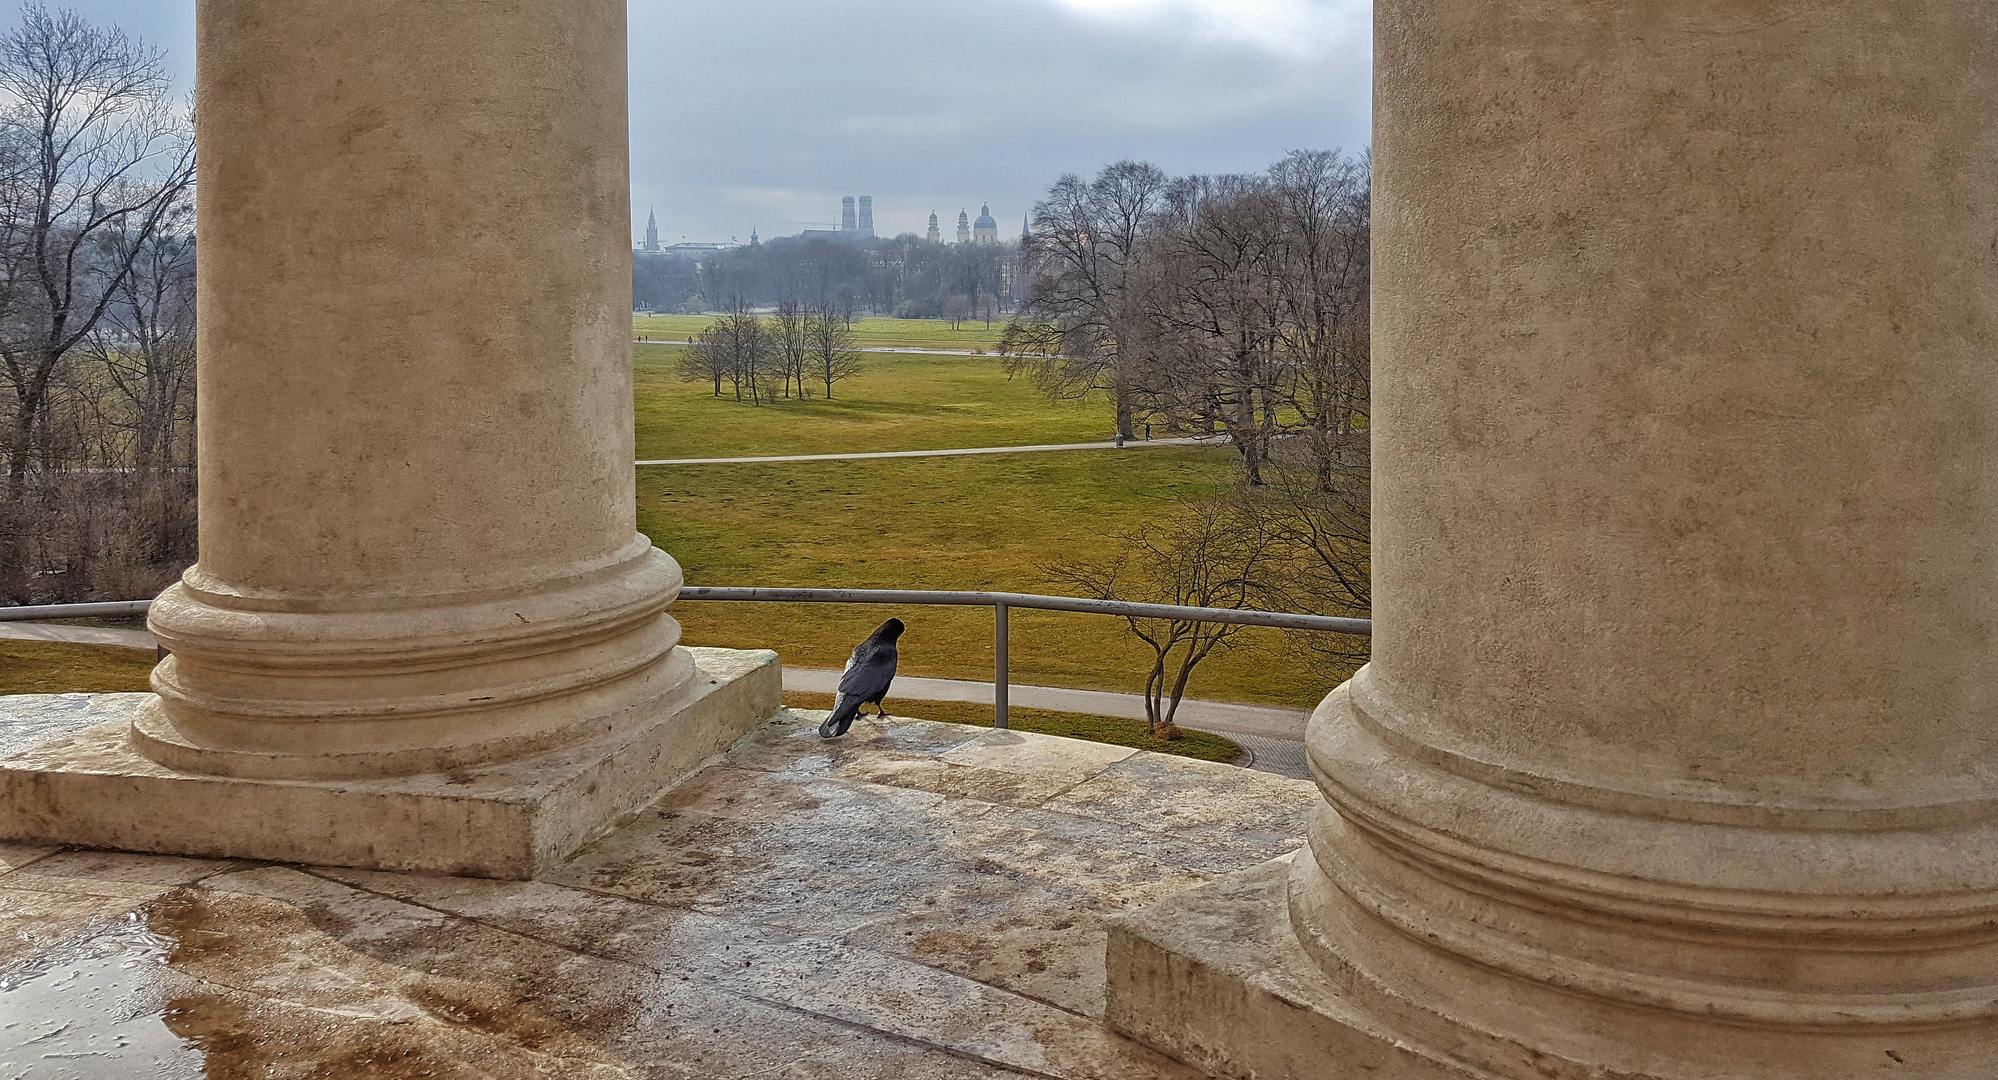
[{"x": 906, "y": 276}]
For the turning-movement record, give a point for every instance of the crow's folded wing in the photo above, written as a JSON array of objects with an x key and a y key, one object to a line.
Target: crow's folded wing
[{"x": 867, "y": 676}]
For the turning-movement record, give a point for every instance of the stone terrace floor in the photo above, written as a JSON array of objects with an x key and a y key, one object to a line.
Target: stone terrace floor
[{"x": 915, "y": 901}]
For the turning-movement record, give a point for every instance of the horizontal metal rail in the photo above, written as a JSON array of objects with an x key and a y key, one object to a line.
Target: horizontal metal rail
[
  {"x": 1001, "y": 604},
  {"x": 75, "y": 611}
]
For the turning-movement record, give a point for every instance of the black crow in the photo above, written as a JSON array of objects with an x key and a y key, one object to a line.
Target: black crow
[{"x": 865, "y": 680}]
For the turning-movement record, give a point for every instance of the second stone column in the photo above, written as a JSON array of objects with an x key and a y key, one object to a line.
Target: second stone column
[{"x": 1678, "y": 754}]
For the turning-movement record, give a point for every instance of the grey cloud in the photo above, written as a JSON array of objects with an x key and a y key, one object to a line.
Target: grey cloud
[
  {"x": 755, "y": 112},
  {"x": 942, "y": 104}
]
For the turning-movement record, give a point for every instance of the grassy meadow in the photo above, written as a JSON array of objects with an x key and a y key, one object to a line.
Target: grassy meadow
[
  {"x": 988, "y": 523},
  {"x": 984, "y": 522},
  {"x": 54, "y": 667},
  {"x": 897, "y": 402},
  {"x": 869, "y": 333}
]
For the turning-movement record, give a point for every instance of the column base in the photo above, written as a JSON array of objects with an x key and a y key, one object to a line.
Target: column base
[
  {"x": 1215, "y": 977},
  {"x": 1218, "y": 978},
  {"x": 511, "y": 820}
]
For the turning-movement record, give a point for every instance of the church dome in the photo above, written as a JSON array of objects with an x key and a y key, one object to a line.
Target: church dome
[{"x": 985, "y": 220}]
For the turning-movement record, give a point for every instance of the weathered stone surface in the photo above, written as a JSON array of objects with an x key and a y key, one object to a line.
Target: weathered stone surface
[
  {"x": 15, "y": 856},
  {"x": 1216, "y": 977},
  {"x": 789, "y": 911},
  {"x": 91, "y": 787},
  {"x": 28, "y": 720}
]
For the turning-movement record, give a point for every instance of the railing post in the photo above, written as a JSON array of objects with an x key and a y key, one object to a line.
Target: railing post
[{"x": 999, "y": 665}]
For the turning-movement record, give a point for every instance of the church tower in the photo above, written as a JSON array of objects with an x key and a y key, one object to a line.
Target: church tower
[
  {"x": 651, "y": 230},
  {"x": 936, "y": 234},
  {"x": 963, "y": 227}
]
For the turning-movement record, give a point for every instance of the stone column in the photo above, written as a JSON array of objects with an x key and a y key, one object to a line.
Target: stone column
[
  {"x": 424, "y": 633},
  {"x": 417, "y": 524},
  {"x": 1678, "y": 755}
]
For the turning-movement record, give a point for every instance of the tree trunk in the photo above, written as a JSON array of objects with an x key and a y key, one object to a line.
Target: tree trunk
[
  {"x": 1154, "y": 687},
  {"x": 1125, "y": 410},
  {"x": 20, "y": 444}
]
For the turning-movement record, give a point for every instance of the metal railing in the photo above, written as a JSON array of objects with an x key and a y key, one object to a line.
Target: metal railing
[
  {"x": 1001, "y": 604},
  {"x": 75, "y": 611}
]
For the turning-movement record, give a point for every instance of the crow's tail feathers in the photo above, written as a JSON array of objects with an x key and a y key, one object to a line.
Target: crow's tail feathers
[{"x": 845, "y": 709}]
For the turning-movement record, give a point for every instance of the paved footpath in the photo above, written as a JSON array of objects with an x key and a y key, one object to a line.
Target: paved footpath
[
  {"x": 1132, "y": 444},
  {"x": 1275, "y": 736}
]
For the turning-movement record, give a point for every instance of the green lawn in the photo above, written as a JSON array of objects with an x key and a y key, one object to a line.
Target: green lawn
[
  {"x": 897, "y": 402},
  {"x": 51, "y": 667},
  {"x": 988, "y": 522},
  {"x": 985, "y": 523},
  {"x": 868, "y": 333}
]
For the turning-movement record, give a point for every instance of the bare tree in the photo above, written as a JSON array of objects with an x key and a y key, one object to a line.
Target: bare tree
[
  {"x": 1201, "y": 555},
  {"x": 735, "y": 347},
  {"x": 1324, "y": 203},
  {"x": 1212, "y": 312},
  {"x": 832, "y": 355},
  {"x": 144, "y": 346},
  {"x": 95, "y": 146},
  {"x": 1075, "y": 330},
  {"x": 790, "y": 344},
  {"x": 707, "y": 358},
  {"x": 1314, "y": 514}
]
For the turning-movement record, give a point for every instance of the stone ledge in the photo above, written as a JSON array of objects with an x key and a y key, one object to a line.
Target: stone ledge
[
  {"x": 90, "y": 788},
  {"x": 1215, "y": 978}
]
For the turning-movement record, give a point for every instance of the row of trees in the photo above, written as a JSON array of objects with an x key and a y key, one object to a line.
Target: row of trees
[
  {"x": 906, "y": 276},
  {"x": 1235, "y": 305},
  {"x": 96, "y": 314},
  {"x": 792, "y": 353}
]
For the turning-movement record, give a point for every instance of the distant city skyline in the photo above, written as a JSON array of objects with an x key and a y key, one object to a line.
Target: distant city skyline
[
  {"x": 874, "y": 226},
  {"x": 759, "y": 113}
]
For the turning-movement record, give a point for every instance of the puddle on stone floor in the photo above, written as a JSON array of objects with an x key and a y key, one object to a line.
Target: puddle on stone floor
[{"x": 94, "y": 1007}]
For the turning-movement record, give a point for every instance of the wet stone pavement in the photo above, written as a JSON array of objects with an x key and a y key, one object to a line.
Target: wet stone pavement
[{"x": 915, "y": 901}]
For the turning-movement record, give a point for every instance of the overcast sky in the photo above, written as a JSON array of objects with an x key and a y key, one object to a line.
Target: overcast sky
[{"x": 764, "y": 112}]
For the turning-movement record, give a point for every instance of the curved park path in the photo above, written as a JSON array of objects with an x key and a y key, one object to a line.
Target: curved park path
[
  {"x": 1274, "y": 735},
  {"x": 1131, "y": 444}
]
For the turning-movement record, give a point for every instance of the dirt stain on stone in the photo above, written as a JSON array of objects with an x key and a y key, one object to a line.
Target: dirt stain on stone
[{"x": 353, "y": 1015}]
